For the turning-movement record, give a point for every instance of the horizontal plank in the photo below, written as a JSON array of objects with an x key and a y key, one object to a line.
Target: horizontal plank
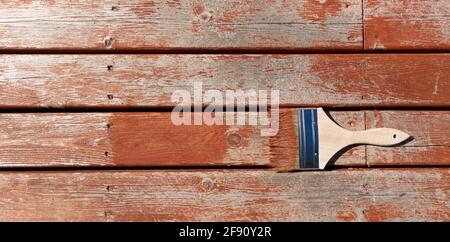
[
  {"x": 407, "y": 25},
  {"x": 123, "y": 81},
  {"x": 164, "y": 25},
  {"x": 344, "y": 195},
  {"x": 149, "y": 139},
  {"x": 431, "y": 138}
]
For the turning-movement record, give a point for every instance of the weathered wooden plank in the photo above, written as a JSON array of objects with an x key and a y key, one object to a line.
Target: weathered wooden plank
[
  {"x": 82, "y": 81},
  {"x": 149, "y": 140},
  {"x": 121, "y": 139},
  {"x": 407, "y": 25},
  {"x": 142, "y": 139},
  {"x": 164, "y": 25},
  {"x": 431, "y": 133},
  {"x": 236, "y": 195}
]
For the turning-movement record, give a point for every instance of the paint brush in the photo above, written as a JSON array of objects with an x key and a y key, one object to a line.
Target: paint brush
[{"x": 321, "y": 139}]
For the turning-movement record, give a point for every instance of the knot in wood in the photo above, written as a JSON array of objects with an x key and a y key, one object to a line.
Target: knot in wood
[
  {"x": 207, "y": 184},
  {"x": 234, "y": 139}
]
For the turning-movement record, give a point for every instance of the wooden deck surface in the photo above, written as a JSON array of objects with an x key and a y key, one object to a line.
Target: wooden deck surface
[
  {"x": 182, "y": 25},
  {"x": 85, "y": 101},
  {"x": 125, "y": 81},
  {"x": 221, "y": 195}
]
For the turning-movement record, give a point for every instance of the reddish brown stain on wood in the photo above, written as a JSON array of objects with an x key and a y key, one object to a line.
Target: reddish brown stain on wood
[
  {"x": 149, "y": 139},
  {"x": 406, "y": 25},
  {"x": 383, "y": 212},
  {"x": 384, "y": 33},
  {"x": 153, "y": 140},
  {"x": 318, "y": 10},
  {"x": 198, "y": 7},
  {"x": 174, "y": 4},
  {"x": 384, "y": 78},
  {"x": 346, "y": 216},
  {"x": 149, "y": 80},
  {"x": 369, "y": 195},
  {"x": 145, "y": 8},
  {"x": 173, "y": 26}
]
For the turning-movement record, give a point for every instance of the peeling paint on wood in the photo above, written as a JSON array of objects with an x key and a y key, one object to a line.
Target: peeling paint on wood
[
  {"x": 151, "y": 139},
  {"x": 148, "y": 139},
  {"x": 236, "y": 195},
  {"x": 406, "y": 25},
  {"x": 86, "y": 81},
  {"x": 181, "y": 25}
]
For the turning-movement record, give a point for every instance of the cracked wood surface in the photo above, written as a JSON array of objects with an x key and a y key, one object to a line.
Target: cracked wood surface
[
  {"x": 126, "y": 81},
  {"x": 229, "y": 195},
  {"x": 150, "y": 139},
  {"x": 185, "y": 25}
]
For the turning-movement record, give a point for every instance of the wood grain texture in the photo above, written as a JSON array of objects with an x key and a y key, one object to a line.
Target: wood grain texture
[
  {"x": 407, "y": 25},
  {"x": 124, "y": 139},
  {"x": 431, "y": 138},
  {"x": 124, "y": 81},
  {"x": 166, "y": 25},
  {"x": 344, "y": 195},
  {"x": 150, "y": 139}
]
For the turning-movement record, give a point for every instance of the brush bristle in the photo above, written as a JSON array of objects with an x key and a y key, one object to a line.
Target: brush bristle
[{"x": 283, "y": 146}]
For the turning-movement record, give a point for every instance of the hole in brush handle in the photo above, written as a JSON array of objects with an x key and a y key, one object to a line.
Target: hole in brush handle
[{"x": 380, "y": 137}]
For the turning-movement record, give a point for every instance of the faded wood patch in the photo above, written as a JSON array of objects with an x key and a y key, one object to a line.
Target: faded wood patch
[
  {"x": 124, "y": 81},
  {"x": 185, "y": 25}
]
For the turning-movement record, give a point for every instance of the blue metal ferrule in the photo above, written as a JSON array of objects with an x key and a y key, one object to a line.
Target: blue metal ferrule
[{"x": 308, "y": 139}]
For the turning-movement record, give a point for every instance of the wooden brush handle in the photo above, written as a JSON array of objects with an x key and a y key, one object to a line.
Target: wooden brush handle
[
  {"x": 379, "y": 137},
  {"x": 333, "y": 138}
]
